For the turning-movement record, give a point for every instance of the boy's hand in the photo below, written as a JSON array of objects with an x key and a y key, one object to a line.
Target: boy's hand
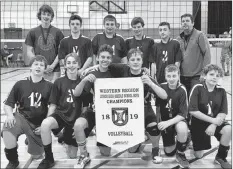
[
  {"x": 37, "y": 130},
  {"x": 163, "y": 125},
  {"x": 218, "y": 121},
  {"x": 91, "y": 78},
  {"x": 10, "y": 121},
  {"x": 146, "y": 80},
  {"x": 211, "y": 130},
  {"x": 146, "y": 71}
]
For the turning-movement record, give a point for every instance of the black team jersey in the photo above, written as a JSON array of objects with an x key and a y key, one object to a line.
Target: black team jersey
[
  {"x": 117, "y": 43},
  {"x": 209, "y": 103},
  {"x": 82, "y": 46},
  {"x": 164, "y": 54},
  {"x": 31, "y": 99},
  {"x": 68, "y": 106},
  {"x": 145, "y": 45},
  {"x": 89, "y": 87},
  {"x": 175, "y": 104},
  {"x": 123, "y": 70}
]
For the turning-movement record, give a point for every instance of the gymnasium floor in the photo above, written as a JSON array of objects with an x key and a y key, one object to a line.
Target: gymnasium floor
[{"x": 118, "y": 159}]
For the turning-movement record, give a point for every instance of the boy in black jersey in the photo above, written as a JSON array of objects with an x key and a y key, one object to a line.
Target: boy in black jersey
[
  {"x": 31, "y": 95},
  {"x": 44, "y": 40},
  {"x": 173, "y": 111},
  {"x": 164, "y": 53},
  {"x": 110, "y": 37},
  {"x": 76, "y": 43},
  {"x": 87, "y": 119},
  {"x": 64, "y": 109},
  {"x": 140, "y": 40},
  {"x": 134, "y": 69},
  {"x": 208, "y": 108}
]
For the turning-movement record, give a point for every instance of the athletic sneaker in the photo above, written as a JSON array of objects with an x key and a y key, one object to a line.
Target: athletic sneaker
[
  {"x": 223, "y": 162},
  {"x": 46, "y": 163},
  {"x": 82, "y": 161},
  {"x": 156, "y": 158},
  {"x": 182, "y": 160},
  {"x": 12, "y": 164}
]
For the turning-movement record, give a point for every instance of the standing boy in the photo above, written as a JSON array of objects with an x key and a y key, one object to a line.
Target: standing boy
[
  {"x": 110, "y": 37},
  {"x": 76, "y": 43},
  {"x": 44, "y": 40},
  {"x": 140, "y": 40},
  {"x": 164, "y": 53}
]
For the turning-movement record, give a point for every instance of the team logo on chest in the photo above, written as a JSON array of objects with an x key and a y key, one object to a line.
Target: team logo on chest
[
  {"x": 164, "y": 59},
  {"x": 169, "y": 107},
  {"x": 120, "y": 116},
  {"x": 76, "y": 50}
]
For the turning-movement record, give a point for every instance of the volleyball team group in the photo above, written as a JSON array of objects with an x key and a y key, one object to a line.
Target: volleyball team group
[{"x": 57, "y": 98}]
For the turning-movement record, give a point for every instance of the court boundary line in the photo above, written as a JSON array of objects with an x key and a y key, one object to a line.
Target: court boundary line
[
  {"x": 107, "y": 161},
  {"x": 9, "y": 71},
  {"x": 195, "y": 159}
]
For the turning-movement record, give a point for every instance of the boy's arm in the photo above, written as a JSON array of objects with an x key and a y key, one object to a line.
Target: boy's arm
[
  {"x": 86, "y": 82},
  {"x": 52, "y": 108},
  {"x": 175, "y": 120},
  {"x": 160, "y": 92}
]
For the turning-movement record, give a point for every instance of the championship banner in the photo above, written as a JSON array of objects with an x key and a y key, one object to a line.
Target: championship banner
[{"x": 119, "y": 107}]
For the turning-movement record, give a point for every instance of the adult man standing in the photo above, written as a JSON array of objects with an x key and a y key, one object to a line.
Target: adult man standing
[{"x": 196, "y": 52}]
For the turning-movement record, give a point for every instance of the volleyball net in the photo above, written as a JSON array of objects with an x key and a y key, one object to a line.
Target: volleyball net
[{"x": 18, "y": 17}]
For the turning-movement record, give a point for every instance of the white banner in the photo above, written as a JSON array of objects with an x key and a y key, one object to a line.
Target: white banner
[{"x": 119, "y": 106}]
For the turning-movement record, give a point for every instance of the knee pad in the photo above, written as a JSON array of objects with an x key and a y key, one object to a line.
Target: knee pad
[
  {"x": 171, "y": 153},
  {"x": 181, "y": 146},
  {"x": 153, "y": 130}
]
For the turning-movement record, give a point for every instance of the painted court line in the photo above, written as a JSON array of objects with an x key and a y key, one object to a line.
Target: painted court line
[
  {"x": 107, "y": 161},
  {"x": 195, "y": 159}
]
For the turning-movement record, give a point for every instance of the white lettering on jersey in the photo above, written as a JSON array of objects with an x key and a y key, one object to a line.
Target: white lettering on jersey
[
  {"x": 35, "y": 99},
  {"x": 76, "y": 50},
  {"x": 164, "y": 59},
  {"x": 70, "y": 98},
  {"x": 113, "y": 48}
]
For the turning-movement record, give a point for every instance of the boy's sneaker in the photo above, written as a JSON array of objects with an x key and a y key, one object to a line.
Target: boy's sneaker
[
  {"x": 12, "y": 164},
  {"x": 156, "y": 158},
  {"x": 223, "y": 162},
  {"x": 46, "y": 163},
  {"x": 227, "y": 73},
  {"x": 82, "y": 161},
  {"x": 181, "y": 159}
]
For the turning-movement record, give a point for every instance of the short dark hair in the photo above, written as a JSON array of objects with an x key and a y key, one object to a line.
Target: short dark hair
[
  {"x": 187, "y": 15},
  {"x": 137, "y": 20},
  {"x": 165, "y": 23},
  {"x": 45, "y": 8},
  {"x": 75, "y": 56},
  {"x": 76, "y": 17},
  {"x": 134, "y": 51},
  {"x": 39, "y": 58},
  {"x": 110, "y": 18},
  {"x": 105, "y": 48},
  {"x": 172, "y": 68}
]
